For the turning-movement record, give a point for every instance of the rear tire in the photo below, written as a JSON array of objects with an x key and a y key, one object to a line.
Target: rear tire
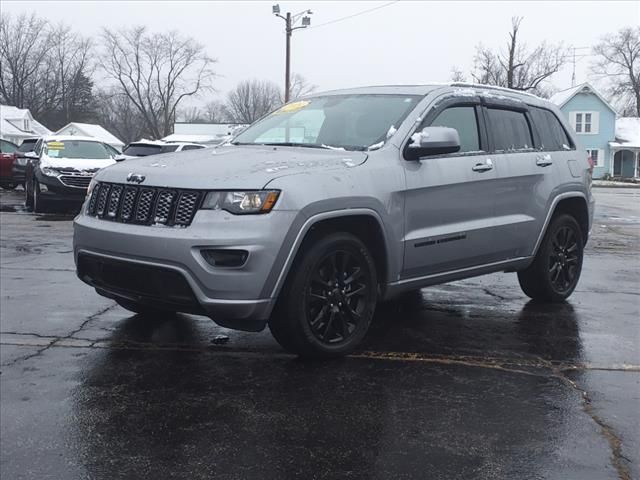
[
  {"x": 142, "y": 309},
  {"x": 329, "y": 299},
  {"x": 555, "y": 271}
]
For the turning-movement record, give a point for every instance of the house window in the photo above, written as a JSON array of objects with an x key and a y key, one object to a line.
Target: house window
[
  {"x": 27, "y": 127},
  {"x": 585, "y": 122},
  {"x": 597, "y": 157}
]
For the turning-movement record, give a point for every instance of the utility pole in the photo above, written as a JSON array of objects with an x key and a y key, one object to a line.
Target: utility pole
[{"x": 290, "y": 21}]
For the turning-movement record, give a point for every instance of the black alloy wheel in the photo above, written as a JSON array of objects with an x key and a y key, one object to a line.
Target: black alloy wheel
[
  {"x": 336, "y": 297},
  {"x": 328, "y": 301},
  {"x": 555, "y": 270}
]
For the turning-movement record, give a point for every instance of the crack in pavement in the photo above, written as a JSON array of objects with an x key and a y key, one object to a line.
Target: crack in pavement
[
  {"x": 557, "y": 372},
  {"x": 56, "y": 340},
  {"x": 520, "y": 366}
]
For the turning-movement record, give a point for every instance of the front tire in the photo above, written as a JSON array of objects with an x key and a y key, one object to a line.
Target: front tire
[
  {"x": 328, "y": 300},
  {"x": 555, "y": 271},
  {"x": 38, "y": 203}
]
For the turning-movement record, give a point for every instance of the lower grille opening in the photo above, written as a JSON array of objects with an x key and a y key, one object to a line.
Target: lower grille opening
[{"x": 143, "y": 282}]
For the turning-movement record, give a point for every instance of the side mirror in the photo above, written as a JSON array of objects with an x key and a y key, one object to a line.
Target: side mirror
[
  {"x": 119, "y": 158},
  {"x": 432, "y": 141},
  {"x": 31, "y": 155}
]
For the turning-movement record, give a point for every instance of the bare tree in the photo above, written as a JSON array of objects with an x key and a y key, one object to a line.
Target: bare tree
[
  {"x": 156, "y": 71},
  {"x": 618, "y": 62},
  {"x": 117, "y": 113},
  {"x": 298, "y": 87},
  {"x": 215, "y": 111},
  {"x": 45, "y": 69},
  {"x": 24, "y": 47},
  {"x": 71, "y": 54},
  {"x": 457, "y": 75},
  {"x": 518, "y": 67},
  {"x": 251, "y": 99}
]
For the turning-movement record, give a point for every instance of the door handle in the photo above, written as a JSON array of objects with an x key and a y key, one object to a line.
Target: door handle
[
  {"x": 483, "y": 167},
  {"x": 544, "y": 160}
]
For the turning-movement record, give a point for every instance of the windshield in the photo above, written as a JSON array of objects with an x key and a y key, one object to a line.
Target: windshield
[
  {"x": 352, "y": 122},
  {"x": 85, "y": 149},
  {"x": 27, "y": 145}
]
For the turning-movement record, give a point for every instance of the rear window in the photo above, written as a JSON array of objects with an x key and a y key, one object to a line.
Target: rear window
[
  {"x": 27, "y": 145},
  {"x": 510, "y": 130},
  {"x": 7, "y": 147},
  {"x": 552, "y": 135},
  {"x": 142, "y": 149}
]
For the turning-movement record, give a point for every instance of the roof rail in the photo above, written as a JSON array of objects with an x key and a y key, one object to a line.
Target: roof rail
[{"x": 491, "y": 87}]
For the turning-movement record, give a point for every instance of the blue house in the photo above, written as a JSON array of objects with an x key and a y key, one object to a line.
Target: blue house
[{"x": 594, "y": 121}]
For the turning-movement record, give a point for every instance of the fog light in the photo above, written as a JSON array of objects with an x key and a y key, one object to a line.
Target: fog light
[{"x": 225, "y": 258}]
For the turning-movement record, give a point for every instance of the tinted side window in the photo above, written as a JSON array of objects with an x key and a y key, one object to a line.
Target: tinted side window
[
  {"x": 464, "y": 120},
  {"x": 191, "y": 147},
  {"x": 510, "y": 129},
  {"x": 552, "y": 134}
]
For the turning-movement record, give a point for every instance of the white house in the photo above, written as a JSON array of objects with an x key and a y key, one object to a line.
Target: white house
[
  {"x": 16, "y": 124},
  {"x": 202, "y": 132},
  {"x": 91, "y": 130}
]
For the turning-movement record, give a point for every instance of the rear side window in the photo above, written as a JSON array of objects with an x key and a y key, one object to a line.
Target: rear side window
[
  {"x": 510, "y": 130},
  {"x": 192, "y": 147},
  {"x": 464, "y": 120},
  {"x": 552, "y": 135}
]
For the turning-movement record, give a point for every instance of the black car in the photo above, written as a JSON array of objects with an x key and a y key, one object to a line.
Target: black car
[{"x": 20, "y": 163}]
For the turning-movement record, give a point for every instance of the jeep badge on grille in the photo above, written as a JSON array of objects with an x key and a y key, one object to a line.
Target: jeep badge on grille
[{"x": 135, "y": 178}]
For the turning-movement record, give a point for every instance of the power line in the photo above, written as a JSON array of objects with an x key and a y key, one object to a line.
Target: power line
[{"x": 352, "y": 16}]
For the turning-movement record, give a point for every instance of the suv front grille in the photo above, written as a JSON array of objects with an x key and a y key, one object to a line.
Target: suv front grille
[
  {"x": 76, "y": 181},
  {"x": 144, "y": 205}
]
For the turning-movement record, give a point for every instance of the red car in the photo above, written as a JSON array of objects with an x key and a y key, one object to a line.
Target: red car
[{"x": 7, "y": 157}]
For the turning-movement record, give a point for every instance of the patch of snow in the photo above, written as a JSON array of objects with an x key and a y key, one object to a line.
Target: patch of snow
[
  {"x": 375, "y": 146},
  {"x": 332, "y": 148},
  {"x": 391, "y": 131}
]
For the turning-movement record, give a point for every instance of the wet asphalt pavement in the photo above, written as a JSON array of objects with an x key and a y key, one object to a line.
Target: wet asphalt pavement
[{"x": 465, "y": 380}]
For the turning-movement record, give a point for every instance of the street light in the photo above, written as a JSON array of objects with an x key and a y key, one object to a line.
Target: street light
[{"x": 290, "y": 21}]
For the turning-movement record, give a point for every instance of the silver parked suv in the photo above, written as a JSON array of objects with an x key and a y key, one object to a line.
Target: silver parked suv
[{"x": 336, "y": 201}]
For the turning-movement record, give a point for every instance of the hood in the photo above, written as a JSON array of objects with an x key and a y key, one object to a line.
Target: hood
[
  {"x": 80, "y": 164},
  {"x": 232, "y": 167}
]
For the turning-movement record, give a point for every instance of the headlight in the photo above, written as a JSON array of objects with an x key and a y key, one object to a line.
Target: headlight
[
  {"x": 50, "y": 172},
  {"x": 240, "y": 203}
]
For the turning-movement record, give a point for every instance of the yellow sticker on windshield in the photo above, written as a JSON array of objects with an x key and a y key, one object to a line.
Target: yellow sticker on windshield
[
  {"x": 293, "y": 107},
  {"x": 55, "y": 145}
]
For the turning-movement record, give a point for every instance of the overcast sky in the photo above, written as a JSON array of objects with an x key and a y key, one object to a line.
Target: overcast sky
[{"x": 402, "y": 42}]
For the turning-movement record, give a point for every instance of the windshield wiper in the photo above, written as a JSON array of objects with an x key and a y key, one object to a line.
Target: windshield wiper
[{"x": 294, "y": 144}]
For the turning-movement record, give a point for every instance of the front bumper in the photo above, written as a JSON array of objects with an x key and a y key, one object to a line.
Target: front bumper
[
  {"x": 52, "y": 187},
  {"x": 226, "y": 294}
]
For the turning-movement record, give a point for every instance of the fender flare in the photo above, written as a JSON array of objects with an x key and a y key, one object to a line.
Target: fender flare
[
  {"x": 306, "y": 227},
  {"x": 557, "y": 199}
]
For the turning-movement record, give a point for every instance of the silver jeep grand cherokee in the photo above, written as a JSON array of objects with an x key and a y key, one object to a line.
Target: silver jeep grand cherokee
[{"x": 337, "y": 201}]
